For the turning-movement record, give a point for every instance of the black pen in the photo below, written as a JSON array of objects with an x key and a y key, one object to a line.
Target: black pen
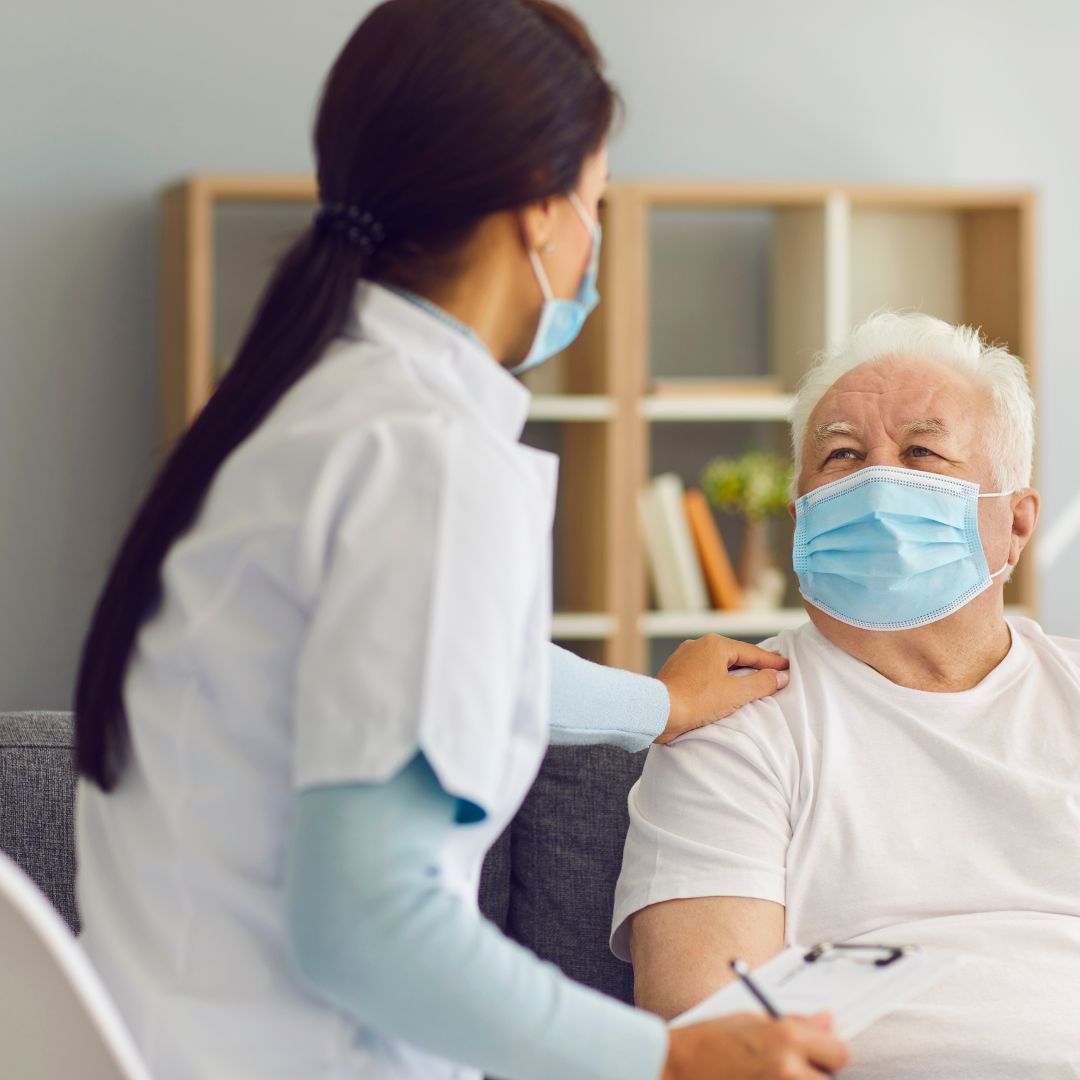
[{"x": 743, "y": 972}]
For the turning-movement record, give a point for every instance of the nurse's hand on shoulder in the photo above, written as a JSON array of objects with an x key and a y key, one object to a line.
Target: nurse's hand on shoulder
[
  {"x": 701, "y": 687},
  {"x": 749, "y": 1047}
]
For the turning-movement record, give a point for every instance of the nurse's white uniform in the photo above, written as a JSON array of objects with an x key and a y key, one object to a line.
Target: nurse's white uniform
[{"x": 370, "y": 574}]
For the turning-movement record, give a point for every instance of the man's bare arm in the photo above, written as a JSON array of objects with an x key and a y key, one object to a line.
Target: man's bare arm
[{"x": 681, "y": 948}]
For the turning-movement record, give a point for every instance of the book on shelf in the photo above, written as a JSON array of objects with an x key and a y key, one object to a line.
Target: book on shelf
[
  {"x": 724, "y": 589},
  {"x": 721, "y": 386},
  {"x": 673, "y": 559}
]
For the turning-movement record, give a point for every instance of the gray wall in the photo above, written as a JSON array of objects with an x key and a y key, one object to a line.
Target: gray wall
[{"x": 102, "y": 104}]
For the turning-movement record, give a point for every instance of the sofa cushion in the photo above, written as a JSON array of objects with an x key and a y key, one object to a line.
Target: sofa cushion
[
  {"x": 37, "y": 803},
  {"x": 495, "y": 881},
  {"x": 565, "y": 859},
  {"x": 548, "y": 881},
  {"x": 37, "y": 818}
]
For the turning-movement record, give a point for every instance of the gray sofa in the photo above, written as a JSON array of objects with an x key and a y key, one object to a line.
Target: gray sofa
[{"x": 548, "y": 882}]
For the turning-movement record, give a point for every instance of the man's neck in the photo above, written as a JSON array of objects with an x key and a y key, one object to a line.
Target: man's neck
[{"x": 948, "y": 656}]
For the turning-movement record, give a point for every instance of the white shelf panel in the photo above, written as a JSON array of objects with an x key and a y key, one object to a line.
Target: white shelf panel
[
  {"x": 571, "y": 407},
  {"x": 582, "y": 627},
  {"x": 691, "y": 624},
  {"x": 740, "y": 407}
]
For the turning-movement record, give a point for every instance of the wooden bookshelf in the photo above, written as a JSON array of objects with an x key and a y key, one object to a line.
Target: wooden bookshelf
[{"x": 698, "y": 280}]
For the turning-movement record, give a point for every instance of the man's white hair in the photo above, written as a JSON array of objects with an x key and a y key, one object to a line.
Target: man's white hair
[{"x": 1011, "y": 439}]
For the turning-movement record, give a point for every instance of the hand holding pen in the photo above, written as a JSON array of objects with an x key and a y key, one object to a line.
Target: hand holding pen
[
  {"x": 750, "y": 1046},
  {"x": 743, "y": 972}
]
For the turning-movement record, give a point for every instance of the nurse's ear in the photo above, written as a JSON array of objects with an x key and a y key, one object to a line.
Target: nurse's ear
[{"x": 537, "y": 224}]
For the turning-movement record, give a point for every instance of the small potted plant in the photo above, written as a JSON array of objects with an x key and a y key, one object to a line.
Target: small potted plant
[{"x": 754, "y": 485}]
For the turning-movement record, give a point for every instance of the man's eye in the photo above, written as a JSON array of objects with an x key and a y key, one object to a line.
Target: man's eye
[
  {"x": 844, "y": 453},
  {"x": 921, "y": 451}
]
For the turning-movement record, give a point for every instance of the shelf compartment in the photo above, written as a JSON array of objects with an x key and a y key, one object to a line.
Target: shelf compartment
[
  {"x": 249, "y": 238},
  {"x": 709, "y": 270},
  {"x": 582, "y": 538},
  {"x": 765, "y": 279}
]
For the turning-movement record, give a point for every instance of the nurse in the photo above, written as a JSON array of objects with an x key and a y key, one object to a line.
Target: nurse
[{"x": 316, "y": 686}]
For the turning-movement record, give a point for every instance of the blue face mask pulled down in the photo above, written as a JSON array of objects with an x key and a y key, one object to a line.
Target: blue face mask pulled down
[
  {"x": 561, "y": 320},
  {"x": 891, "y": 549}
]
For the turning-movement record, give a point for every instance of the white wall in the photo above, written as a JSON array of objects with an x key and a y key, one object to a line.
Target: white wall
[{"x": 102, "y": 104}]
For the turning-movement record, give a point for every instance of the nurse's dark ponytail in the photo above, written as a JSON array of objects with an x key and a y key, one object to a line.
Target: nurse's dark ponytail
[{"x": 436, "y": 114}]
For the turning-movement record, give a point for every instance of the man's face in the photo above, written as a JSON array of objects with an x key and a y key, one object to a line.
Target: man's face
[{"x": 910, "y": 413}]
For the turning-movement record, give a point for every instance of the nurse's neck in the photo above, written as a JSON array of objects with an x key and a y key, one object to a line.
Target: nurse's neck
[
  {"x": 947, "y": 656},
  {"x": 492, "y": 291}
]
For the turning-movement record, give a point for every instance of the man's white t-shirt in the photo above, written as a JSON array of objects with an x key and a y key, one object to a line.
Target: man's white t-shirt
[{"x": 879, "y": 813}]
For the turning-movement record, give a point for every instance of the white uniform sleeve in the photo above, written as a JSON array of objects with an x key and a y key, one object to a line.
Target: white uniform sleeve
[
  {"x": 710, "y": 816},
  {"x": 418, "y": 632}
]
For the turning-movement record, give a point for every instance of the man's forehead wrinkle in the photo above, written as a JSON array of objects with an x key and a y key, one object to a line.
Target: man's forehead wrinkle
[
  {"x": 909, "y": 371},
  {"x": 919, "y": 401}
]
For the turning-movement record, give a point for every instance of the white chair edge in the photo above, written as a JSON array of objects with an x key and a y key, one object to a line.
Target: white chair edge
[{"x": 58, "y": 940}]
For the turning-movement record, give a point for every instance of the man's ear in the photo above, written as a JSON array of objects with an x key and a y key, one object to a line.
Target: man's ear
[
  {"x": 1025, "y": 516},
  {"x": 791, "y": 510}
]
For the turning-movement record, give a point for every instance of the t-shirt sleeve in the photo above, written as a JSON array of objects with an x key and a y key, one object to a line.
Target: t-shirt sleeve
[
  {"x": 710, "y": 816},
  {"x": 428, "y": 568}
]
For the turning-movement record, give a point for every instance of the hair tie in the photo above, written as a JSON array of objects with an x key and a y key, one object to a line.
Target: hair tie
[{"x": 359, "y": 228}]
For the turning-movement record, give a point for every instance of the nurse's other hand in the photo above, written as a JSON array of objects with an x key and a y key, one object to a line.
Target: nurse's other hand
[
  {"x": 701, "y": 687},
  {"x": 749, "y": 1047}
]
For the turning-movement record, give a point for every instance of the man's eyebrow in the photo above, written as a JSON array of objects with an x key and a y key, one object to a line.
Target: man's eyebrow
[
  {"x": 930, "y": 426},
  {"x": 828, "y": 431}
]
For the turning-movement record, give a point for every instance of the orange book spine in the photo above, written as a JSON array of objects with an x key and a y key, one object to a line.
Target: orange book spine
[{"x": 724, "y": 589}]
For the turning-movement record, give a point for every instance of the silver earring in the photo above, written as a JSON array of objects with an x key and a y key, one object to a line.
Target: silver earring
[{"x": 548, "y": 248}]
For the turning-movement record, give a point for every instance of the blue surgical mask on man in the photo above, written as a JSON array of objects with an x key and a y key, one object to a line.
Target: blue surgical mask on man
[
  {"x": 561, "y": 320},
  {"x": 891, "y": 549}
]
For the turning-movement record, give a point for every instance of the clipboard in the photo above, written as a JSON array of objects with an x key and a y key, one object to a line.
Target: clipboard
[{"x": 857, "y": 983}]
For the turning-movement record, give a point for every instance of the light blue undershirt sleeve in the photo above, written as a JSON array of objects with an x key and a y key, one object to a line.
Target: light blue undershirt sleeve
[
  {"x": 374, "y": 931},
  {"x": 591, "y": 703}
]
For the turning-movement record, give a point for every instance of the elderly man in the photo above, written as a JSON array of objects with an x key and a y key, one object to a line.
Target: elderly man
[{"x": 918, "y": 782}]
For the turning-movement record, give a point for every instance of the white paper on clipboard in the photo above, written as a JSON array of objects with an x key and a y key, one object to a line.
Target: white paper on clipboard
[{"x": 856, "y": 992}]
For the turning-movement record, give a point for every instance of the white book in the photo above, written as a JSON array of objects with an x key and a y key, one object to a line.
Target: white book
[
  {"x": 660, "y": 556},
  {"x": 677, "y": 573}
]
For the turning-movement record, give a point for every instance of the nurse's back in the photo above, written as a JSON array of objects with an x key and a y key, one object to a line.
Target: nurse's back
[{"x": 180, "y": 879}]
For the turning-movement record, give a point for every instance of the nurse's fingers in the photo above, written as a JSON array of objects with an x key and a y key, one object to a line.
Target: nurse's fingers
[
  {"x": 742, "y": 654},
  {"x": 751, "y": 1047},
  {"x": 741, "y": 690},
  {"x": 703, "y": 689},
  {"x": 815, "y": 1038}
]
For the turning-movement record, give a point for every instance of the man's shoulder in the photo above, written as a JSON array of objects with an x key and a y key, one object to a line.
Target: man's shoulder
[
  {"x": 777, "y": 720},
  {"x": 1032, "y": 632}
]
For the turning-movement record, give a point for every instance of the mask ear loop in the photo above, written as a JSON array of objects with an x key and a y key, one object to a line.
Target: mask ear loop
[
  {"x": 541, "y": 276},
  {"x": 998, "y": 495},
  {"x": 538, "y": 266},
  {"x": 579, "y": 206}
]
